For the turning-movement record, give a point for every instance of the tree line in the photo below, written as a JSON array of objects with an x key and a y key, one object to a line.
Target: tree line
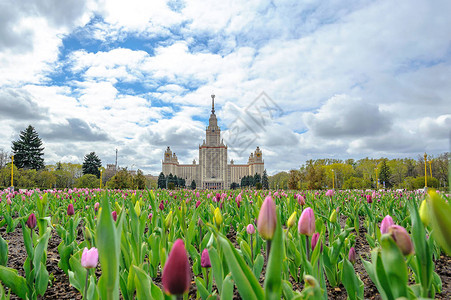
[
  {"x": 367, "y": 173},
  {"x": 30, "y": 171}
]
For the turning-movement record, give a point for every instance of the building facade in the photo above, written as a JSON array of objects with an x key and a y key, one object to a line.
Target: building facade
[{"x": 213, "y": 170}]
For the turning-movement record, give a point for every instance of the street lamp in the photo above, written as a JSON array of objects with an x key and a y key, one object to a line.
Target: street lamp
[
  {"x": 101, "y": 170},
  {"x": 377, "y": 182},
  {"x": 12, "y": 172},
  {"x": 333, "y": 179},
  {"x": 425, "y": 171}
]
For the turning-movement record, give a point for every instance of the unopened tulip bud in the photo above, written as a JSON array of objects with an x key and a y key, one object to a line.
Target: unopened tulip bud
[
  {"x": 333, "y": 217},
  {"x": 424, "y": 213},
  {"x": 176, "y": 277},
  {"x": 267, "y": 219},
  {"x": 291, "y": 220},
  {"x": 401, "y": 238},
  {"x": 217, "y": 217},
  {"x": 168, "y": 220},
  {"x": 250, "y": 229},
  {"x": 352, "y": 255},
  {"x": 70, "y": 210},
  {"x": 138, "y": 209},
  {"x": 386, "y": 223},
  {"x": 96, "y": 206},
  {"x": 197, "y": 203},
  {"x": 114, "y": 215},
  {"x": 89, "y": 258},
  {"x": 88, "y": 235},
  {"x": 150, "y": 217},
  {"x": 31, "y": 222},
  {"x": 314, "y": 241},
  {"x": 205, "y": 259},
  {"x": 306, "y": 223},
  {"x": 301, "y": 200}
]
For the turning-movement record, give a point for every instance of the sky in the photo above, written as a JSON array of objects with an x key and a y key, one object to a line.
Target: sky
[{"x": 300, "y": 79}]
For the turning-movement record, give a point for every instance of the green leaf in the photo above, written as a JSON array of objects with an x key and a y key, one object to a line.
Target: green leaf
[
  {"x": 227, "y": 288},
  {"x": 92, "y": 293},
  {"x": 143, "y": 284},
  {"x": 3, "y": 252},
  {"x": 395, "y": 266},
  {"x": 258, "y": 265},
  {"x": 247, "y": 284},
  {"x": 42, "y": 279},
  {"x": 201, "y": 288},
  {"x": 352, "y": 283},
  {"x": 440, "y": 220},
  {"x": 12, "y": 280},
  {"x": 216, "y": 267},
  {"x": 287, "y": 290},
  {"x": 273, "y": 280}
]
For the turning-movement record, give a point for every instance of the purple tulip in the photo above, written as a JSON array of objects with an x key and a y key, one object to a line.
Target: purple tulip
[
  {"x": 352, "y": 255},
  {"x": 114, "y": 214},
  {"x": 314, "y": 241},
  {"x": 161, "y": 206},
  {"x": 176, "y": 277},
  {"x": 197, "y": 203},
  {"x": 401, "y": 238},
  {"x": 89, "y": 258},
  {"x": 31, "y": 222},
  {"x": 96, "y": 206},
  {"x": 386, "y": 223},
  {"x": 205, "y": 259},
  {"x": 70, "y": 210},
  {"x": 306, "y": 223},
  {"x": 267, "y": 219},
  {"x": 369, "y": 199}
]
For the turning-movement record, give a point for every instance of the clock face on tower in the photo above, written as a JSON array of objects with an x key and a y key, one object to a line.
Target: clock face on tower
[
  {"x": 167, "y": 155},
  {"x": 258, "y": 154}
]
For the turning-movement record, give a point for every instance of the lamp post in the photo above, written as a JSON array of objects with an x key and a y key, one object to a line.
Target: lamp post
[
  {"x": 333, "y": 179},
  {"x": 377, "y": 181},
  {"x": 100, "y": 177},
  {"x": 430, "y": 167},
  {"x": 12, "y": 171},
  {"x": 425, "y": 171}
]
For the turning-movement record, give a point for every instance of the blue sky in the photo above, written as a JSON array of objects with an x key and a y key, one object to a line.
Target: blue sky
[{"x": 342, "y": 79}]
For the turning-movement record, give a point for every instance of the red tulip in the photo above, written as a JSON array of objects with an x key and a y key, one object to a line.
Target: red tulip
[{"x": 176, "y": 277}]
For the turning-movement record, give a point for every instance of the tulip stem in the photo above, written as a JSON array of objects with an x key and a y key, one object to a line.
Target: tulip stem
[
  {"x": 252, "y": 251},
  {"x": 31, "y": 260},
  {"x": 268, "y": 249},
  {"x": 307, "y": 246},
  {"x": 206, "y": 270},
  {"x": 86, "y": 285}
]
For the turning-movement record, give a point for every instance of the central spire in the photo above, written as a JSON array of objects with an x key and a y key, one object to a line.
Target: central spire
[{"x": 213, "y": 104}]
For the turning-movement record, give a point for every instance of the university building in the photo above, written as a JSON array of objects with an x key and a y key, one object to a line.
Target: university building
[{"x": 213, "y": 171}]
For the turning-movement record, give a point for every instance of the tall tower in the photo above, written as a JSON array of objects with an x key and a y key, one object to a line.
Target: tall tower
[{"x": 213, "y": 131}]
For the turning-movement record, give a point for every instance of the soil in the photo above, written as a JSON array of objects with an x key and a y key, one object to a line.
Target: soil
[{"x": 61, "y": 289}]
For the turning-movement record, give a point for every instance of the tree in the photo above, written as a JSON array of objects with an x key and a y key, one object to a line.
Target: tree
[
  {"x": 385, "y": 174},
  {"x": 293, "y": 180},
  {"x": 88, "y": 181},
  {"x": 4, "y": 158},
  {"x": 139, "y": 181},
  {"x": 121, "y": 180},
  {"x": 265, "y": 181},
  {"x": 162, "y": 181},
  {"x": 28, "y": 150},
  {"x": 91, "y": 164},
  {"x": 193, "y": 185}
]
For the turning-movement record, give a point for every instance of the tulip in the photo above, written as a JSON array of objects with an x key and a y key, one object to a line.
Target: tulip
[
  {"x": 333, "y": 217},
  {"x": 291, "y": 220},
  {"x": 424, "y": 213},
  {"x": 161, "y": 206},
  {"x": 197, "y": 203},
  {"x": 89, "y": 258},
  {"x": 217, "y": 217},
  {"x": 352, "y": 255},
  {"x": 205, "y": 259},
  {"x": 150, "y": 216},
  {"x": 70, "y": 210},
  {"x": 250, "y": 229},
  {"x": 401, "y": 238},
  {"x": 168, "y": 220},
  {"x": 114, "y": 215},
  {"x": 267, "y": 219},
  {"x": 176, "y": 277},
  {"x": 386, "y": 223},
  {"x": 314, "y": 241},
  {"x": 31, "y": 222},
  {"x": 306, "y": 224},
  {"x": 330, "y": 193},
  {"x": 138, "y": 209},
  {"x": 96, "y": 206},
  {"x": 301, "y": 200}
]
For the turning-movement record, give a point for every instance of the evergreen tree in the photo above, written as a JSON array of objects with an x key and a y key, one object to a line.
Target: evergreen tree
[
  {"x": 91, "y": 164},
  {"x": 257, "y": 178},
  {"x": 28, "y": 150},
  {"x": 265, "y": 181},
  {"x": 385, "y": 174},
  {"x": 161, "y": 181},
  {"x": 193, "y": 185},
  {"x": 176, "y": 180}
]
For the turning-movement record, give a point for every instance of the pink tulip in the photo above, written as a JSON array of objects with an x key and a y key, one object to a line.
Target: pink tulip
[
  {"x": 386, "y": 223},
  {"x": 89, "y": 258},
  {"x": 176, "y": 277},
  {"x": 330, "y": 193},
  {"x": 306, "y": 223},
  {"x": 114, "y": 215},
  {"x": 250, "y": 229},
  {"x": 267, "y": 219},
  {"x": 352, "y": 255},
  {"x": 314, "y": 241},
  {"x": 96, "y": 206}
]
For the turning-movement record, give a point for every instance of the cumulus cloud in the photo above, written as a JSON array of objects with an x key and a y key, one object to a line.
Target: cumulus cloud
[
  {"x": 17, "y": 104},
  {"x": 343, "y": 116},
  {"x": 74, "y": 130}
]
